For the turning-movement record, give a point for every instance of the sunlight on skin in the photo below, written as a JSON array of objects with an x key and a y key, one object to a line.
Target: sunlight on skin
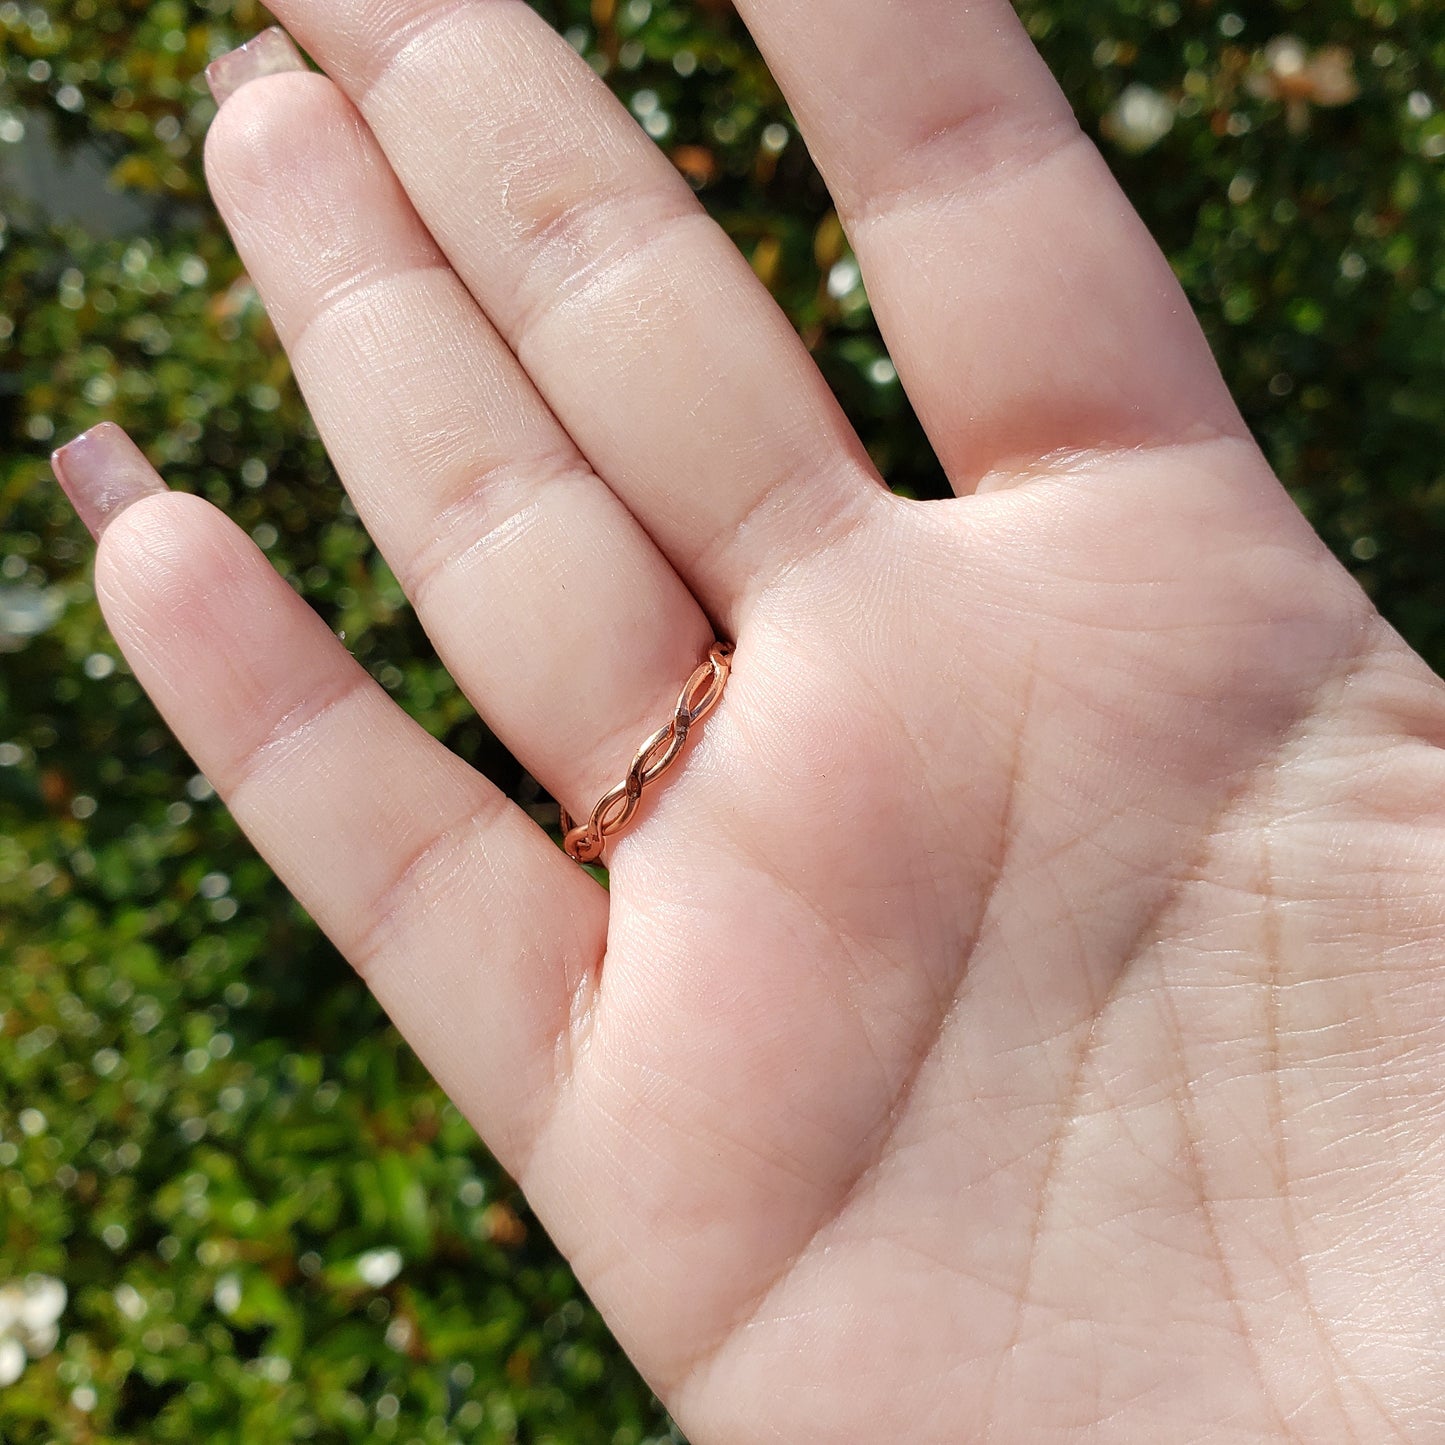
[{"x": 1018, "y": 1019}]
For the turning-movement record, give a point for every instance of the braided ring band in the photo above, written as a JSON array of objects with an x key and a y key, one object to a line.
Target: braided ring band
[{"x": 615, "y": 811}]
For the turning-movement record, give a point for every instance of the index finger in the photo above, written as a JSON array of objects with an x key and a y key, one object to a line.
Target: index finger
[{"x": 1027, "y": 308}]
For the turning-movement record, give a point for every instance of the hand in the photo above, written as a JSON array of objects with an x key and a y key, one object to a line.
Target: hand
[{"x": 1018, "y": 1016}]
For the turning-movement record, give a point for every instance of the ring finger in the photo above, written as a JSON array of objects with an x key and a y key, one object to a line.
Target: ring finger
[{"x": 540, "y": 591}]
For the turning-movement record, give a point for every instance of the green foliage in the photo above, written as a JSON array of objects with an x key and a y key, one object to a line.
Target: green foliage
[{"x": 271, "y": 1224}]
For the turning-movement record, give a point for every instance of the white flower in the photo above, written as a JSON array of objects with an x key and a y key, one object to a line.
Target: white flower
[
  {"x": 1140, "y": 118},
  {"x": 130, "y": 1302},
  {"x": 30, "y": 1312},
  {"x": 12, "y": 1359},
  {"x": 227, "y": 1294},
  {"x": 26, "y": 612},
  {"x": 378, "y": 1267}
]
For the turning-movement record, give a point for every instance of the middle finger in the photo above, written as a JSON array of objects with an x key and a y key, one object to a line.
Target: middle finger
[{"x": 637, "y": 319}]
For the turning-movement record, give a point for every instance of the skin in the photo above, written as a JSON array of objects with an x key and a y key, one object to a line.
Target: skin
[{"x": 1018, "y": 1017}]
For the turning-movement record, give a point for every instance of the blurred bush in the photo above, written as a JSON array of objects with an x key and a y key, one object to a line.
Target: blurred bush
[{"x": 269, "y": 1225}]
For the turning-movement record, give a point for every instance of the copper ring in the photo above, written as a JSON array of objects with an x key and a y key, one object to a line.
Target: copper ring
[{"x": 615, "y": 810}]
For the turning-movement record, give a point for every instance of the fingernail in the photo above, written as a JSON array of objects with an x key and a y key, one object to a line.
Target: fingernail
[
  {"x": 270, "y": 53},
  {"x": 102, "y": 473}
]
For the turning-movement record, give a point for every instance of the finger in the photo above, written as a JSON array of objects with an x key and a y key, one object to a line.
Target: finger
[
  {"x": 474, "y": 931},
  {"x": 553, "y": 610},
  {"x": 1027, "y": 309},
  {"x": 637, "y": 319}
]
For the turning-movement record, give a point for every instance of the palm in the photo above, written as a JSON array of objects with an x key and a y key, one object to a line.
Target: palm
[
  {"x": 986, "y": 969},
  {"x": 1012, "y": 1015}
]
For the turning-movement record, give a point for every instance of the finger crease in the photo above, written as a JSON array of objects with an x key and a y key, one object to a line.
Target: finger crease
[
  {"x": 291, "y": 729},
  {"x": 970, "y": 165},
  {"x": 406, "y": 887},
  {"x": 391, "y": 55},
  {"x": 501, "y": 498},
  {"x": 642, "y": 227},
  {"x": 835, "y": 513},
  {"x": 353, "y": 290}
]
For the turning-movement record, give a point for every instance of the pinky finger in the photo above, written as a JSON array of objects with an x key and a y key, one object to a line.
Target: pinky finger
[{"x": 422, "y": 873}]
